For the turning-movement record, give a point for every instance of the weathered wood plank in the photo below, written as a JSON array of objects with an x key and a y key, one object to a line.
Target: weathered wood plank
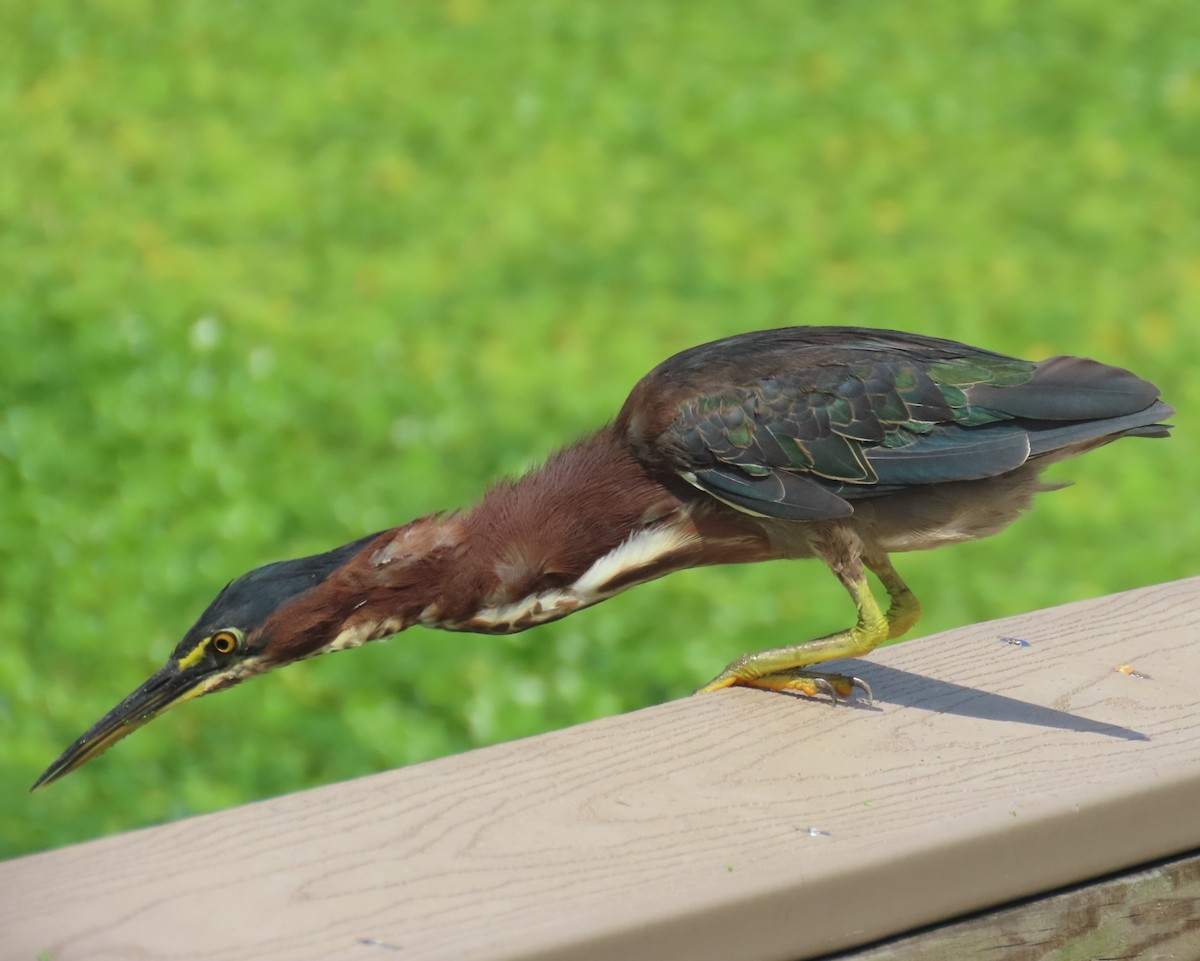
[
  {"x": 1149, "y": 914},
  {"x": 739, "y": 824}
]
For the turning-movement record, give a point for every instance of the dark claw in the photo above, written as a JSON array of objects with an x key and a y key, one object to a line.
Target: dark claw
[{"x": 858, "y": 682}]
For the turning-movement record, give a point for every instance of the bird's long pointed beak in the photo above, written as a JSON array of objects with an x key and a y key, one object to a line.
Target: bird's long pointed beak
[{"x": 166, "y": 688}]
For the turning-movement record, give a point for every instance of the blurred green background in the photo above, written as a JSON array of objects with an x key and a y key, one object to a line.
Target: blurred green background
[{"x": 278, "y": 274}]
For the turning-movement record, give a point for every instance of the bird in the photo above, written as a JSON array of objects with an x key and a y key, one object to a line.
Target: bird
[{"x": 843, "y": 444}]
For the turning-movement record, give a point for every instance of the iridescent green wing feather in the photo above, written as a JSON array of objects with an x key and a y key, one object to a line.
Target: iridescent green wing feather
[{"x": 802, "y": 442}]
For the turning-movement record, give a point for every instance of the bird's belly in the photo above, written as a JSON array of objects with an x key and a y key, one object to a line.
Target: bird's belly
[{"x": 922, "y": 518}]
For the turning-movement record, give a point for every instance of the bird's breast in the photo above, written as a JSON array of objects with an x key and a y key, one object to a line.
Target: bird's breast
[{"x": 644, "y": 555}]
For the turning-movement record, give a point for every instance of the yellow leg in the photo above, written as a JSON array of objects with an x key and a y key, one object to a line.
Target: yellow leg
[
  {"x": 783, "y": 668},
  {"x": 904, "y": 610}
]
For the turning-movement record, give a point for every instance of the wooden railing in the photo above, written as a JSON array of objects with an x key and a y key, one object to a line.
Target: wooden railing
[{"x": 1001, "y": 761}]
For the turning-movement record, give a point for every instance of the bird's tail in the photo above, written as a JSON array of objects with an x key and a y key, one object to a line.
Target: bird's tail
[{"x": 1046, "y": 437}]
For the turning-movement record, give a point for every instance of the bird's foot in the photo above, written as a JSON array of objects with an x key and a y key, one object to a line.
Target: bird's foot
[
  {"x": 797, "y": 680},
  {"x": 815, "y": 683},
  {"x": 788, "y": 668}
]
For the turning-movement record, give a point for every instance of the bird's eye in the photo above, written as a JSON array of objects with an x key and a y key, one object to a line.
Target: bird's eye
[{"x": 225, "y": 642}]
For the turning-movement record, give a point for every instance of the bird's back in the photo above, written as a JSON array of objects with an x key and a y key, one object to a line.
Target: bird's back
[{"x": 801, "y": 422}]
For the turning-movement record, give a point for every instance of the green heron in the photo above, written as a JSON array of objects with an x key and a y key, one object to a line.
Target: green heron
[{"x": 843, "y": 444}]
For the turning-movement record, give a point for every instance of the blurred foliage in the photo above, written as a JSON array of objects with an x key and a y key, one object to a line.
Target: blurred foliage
[{"x": 278, "y": 274}]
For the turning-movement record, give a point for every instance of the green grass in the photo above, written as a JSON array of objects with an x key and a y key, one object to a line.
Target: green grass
[{"x": 279, "y": 274}]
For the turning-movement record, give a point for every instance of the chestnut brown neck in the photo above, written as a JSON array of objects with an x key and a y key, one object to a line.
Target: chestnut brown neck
[{"x": 589, "y": 523}]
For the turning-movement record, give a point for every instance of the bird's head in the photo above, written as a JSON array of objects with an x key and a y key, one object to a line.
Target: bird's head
[{"x": 269, "y": 617}]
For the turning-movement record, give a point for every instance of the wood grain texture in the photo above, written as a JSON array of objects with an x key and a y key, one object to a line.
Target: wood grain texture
[
  {"x": 736, "y": 825},
  {"x": 1147, "y": 915}
]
